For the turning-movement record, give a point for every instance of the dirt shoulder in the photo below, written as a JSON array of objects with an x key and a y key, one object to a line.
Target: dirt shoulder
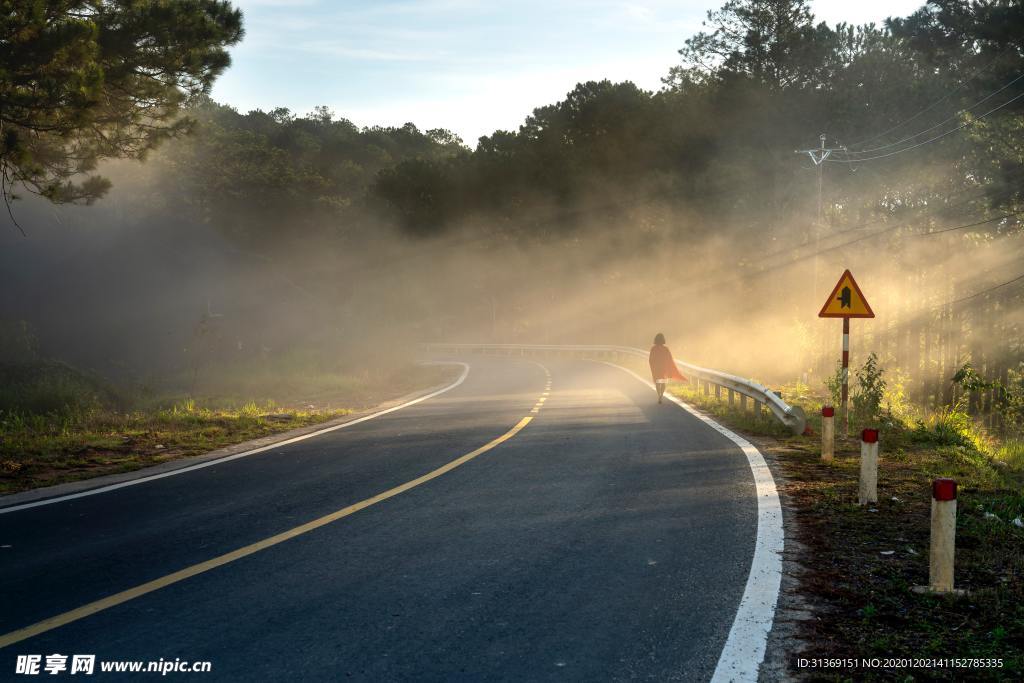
[{"x": 855, "y": 568}]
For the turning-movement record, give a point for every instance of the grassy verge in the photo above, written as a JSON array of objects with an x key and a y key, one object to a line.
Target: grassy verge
[
  {"x": 44, "y": 448},
  {"x": 859, "y": 564}
]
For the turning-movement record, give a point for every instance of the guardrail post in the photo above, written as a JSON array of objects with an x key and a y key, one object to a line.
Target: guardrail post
[
  {"x": 732, "y": 398},
  {"x": 943, "y": 537},
  {"x": 743, "y": 403},
  {"x": 707, "y": 388},
  {"x": 828, "y": 433},
  {"x": 868, "y": 492},
  {"x": 718, "y": 392}
]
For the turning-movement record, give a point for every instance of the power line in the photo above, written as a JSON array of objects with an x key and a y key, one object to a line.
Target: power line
[
  {"x": 986, "y": 291},
  {"x": 894, "y": 227},
  {"x": 917, "y": 316},
  {"x": 740, "y": 277},
  {"x": 906, "y": 222},
  {"x": 930, "y": 140},
  {"x": 937, "y": 102},
  {"x": 953, "y": 117},
  {"x": 969, "y": 225}
]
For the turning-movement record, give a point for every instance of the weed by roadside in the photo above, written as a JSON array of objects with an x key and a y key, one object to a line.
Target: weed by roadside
[{"x": 80, "y": 437}]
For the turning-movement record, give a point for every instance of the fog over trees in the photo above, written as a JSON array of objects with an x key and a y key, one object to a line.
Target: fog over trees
[{"x": 606, "y": 216}]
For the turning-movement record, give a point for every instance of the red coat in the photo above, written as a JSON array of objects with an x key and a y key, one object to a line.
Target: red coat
[{"x": 662, "y": 365}]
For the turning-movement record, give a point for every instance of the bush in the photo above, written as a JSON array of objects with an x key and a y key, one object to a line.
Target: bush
[
  {"x": 951, "y": 426},
  {"x": 51, "y": 388},
  {"x": 1012, "y": 453},
  {"x": 1009, "y": 396},
  {"x": 834, "y": 384},
  {"x": 867, "y": 399}
]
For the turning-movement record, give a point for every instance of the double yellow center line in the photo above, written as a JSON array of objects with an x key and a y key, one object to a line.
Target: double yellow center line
[{"x": 221, "y": 560}]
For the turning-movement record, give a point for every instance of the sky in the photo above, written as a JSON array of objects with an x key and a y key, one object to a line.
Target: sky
[{"x": 466, "y": 65}]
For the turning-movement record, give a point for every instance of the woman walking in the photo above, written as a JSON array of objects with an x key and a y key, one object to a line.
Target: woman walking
[{"x": 663, "y": 367}]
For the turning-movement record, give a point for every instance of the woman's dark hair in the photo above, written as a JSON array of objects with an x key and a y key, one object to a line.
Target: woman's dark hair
[{"x": 659, "y": 338}]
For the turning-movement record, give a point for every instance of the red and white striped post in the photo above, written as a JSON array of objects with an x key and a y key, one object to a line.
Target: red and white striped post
[
  {"x": 828, "y": 433},
  {"x": 845, "y": 408},
  {"x": 868, "y": 492},
  {"x": 943, "y": 542}
]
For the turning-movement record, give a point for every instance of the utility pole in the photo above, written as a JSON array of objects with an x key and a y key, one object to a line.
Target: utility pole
[{"x": 818, "y": 155}]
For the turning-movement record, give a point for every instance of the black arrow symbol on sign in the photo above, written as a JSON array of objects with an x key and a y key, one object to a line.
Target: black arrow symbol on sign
[{"x": 845, "y": 298}]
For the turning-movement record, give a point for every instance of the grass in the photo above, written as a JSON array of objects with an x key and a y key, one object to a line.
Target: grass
[
  {"x": 859, "y": 564},
  {"x": 87, "y": 433}
]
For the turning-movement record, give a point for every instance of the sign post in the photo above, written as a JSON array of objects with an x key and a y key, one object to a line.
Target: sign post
[{"x": 846, "y": 301}]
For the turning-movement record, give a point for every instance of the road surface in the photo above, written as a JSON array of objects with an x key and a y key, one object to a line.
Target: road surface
[{"x": 609, "y": 538}]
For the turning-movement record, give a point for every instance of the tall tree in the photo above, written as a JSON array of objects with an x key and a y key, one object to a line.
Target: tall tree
[
  {"x": 85, "y": 80},
  {"x": 773, "y": 42}
]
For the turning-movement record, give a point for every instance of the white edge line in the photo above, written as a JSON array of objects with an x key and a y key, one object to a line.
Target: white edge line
[
  {"x": 748, "y": 638},
  {"x": 236, "y": 456}
]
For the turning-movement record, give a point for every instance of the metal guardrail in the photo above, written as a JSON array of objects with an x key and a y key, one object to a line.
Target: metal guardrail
[{"x": 791, "y": 416}]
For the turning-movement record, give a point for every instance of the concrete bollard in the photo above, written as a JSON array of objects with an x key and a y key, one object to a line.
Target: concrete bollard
[
  {"x": 828, "y": 433},
  {"x": 868, "y": 467},
  {"x": 943, "y": 542}
]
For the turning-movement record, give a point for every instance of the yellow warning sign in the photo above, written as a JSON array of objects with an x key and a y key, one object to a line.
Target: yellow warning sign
[{"x": 846, "y": 301}]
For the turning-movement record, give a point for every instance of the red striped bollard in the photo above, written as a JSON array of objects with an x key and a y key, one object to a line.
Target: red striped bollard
[
  {"x": 828, "y": 433},
  {"x": 868, "y": 492},
  {"x": 943, "y": 542}
]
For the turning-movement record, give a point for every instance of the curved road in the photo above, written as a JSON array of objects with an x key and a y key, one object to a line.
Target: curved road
[{"x": 608, "y": 539}]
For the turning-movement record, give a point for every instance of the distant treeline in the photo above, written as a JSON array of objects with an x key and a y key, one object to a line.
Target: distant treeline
[{"x": 762, "y": 81}]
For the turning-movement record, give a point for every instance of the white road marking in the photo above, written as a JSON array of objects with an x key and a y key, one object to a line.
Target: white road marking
[
  {"x": 748, "y": 638},
  {"x": 244, "y": 454}
]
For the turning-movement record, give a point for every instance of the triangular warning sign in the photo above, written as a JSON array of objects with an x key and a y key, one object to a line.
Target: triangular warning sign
[{"x": 846, "y": 301}]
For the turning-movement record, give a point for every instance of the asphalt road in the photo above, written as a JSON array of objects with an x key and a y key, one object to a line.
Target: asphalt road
[{"x": 609, "y": 539}]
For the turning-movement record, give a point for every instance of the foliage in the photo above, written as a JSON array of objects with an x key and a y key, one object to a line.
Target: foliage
[
  {"x": 895, "y": 398},
  {"x": 869, "y": 392},
  {"x": 273, "y": 177},
  {"x": 610, "y": 153},
  {"x": 1009, "y": 395},
  {"x": 834, "y": 385},
  {"x": 51, "y": 388},
  {"x": 969, "y": 379},
  {"x": 84, "y": 80},
  {"x": 606, "y": 155},
  {"x": 17, "y": 342},
  {"x": 56, "y": 424},
  {"x": 949, "y": 426},
  {"x": 1011, "y": 452},
  {"x": 771, "y": 42}
]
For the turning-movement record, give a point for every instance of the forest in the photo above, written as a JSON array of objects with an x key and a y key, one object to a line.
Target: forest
[
  {"x": 699, "y": 210},
  {"x": 190, "y": 288}
]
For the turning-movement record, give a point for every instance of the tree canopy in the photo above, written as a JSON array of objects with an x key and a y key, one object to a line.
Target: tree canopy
[{"x": 85, "y": 80}]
